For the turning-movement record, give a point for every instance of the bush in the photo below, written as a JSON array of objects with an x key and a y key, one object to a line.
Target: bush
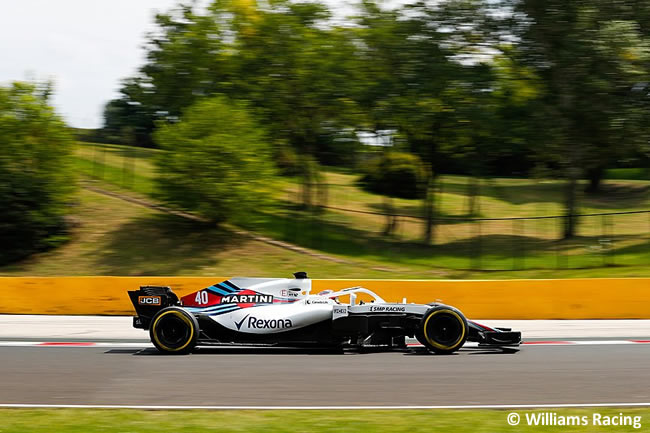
[
  {"x": 217, "y": 163},
  {"x": 35, "y": 179},
  {"x": 396, "y": 174}
]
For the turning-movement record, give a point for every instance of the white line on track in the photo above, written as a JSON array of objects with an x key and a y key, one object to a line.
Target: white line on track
[{"x": 470, "y": 406}]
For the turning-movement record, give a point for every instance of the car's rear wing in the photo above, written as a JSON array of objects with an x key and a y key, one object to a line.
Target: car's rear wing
[{"x": 148, "y": 301}]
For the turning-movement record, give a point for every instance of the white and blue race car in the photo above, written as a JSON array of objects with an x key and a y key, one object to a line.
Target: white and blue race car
[{"x": 283, "y": 312}]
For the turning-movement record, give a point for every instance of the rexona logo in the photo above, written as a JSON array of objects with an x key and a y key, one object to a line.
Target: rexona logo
[
  {"x": 149, "y": 300},
  {"x": 247, "y": 299},
  {"x": 255, "y": 323}
]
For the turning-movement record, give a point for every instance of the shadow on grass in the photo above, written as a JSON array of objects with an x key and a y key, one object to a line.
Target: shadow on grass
[
  {"x": 635, "y": 250},
  {"x": 500, "y": 250},
  {"x": 166, "y": 244},
  {"x": 613, "y": 194},
  {"x": 612, "y": 197},
  {"x": 163, "y": 245}
]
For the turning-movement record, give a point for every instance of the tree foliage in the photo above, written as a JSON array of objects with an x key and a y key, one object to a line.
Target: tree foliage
[
  {"x": 592, "y": 59},
  {"x": 395, "y": 174},
  {"x": 280, "y": 56},
  {"x": 217, "y": 161},
  {"x": 35, "y": 175},
  {"x": 503, "y": 87}
]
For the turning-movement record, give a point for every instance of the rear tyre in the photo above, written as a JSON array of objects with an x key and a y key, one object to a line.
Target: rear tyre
[
  {"x": 442, "y": 330},
  {"x": 174, "y": 331}
]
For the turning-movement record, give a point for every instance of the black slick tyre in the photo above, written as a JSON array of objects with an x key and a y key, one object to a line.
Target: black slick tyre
[
  {"x": 174, "y": 331},
  {"x": 442, "y": 330}
]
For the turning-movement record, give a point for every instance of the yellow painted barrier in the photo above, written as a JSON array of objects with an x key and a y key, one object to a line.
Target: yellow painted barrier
[
  {"x": 84, "y": 295},
  {"x": 616, "y": 298},
  {"x": 597, "y": 298}
]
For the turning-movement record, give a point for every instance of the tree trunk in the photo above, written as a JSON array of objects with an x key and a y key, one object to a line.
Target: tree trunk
[
  {"x": 429, "y": 209},
  {"x": 307, "y": 177},
  {"x": 391, "y": 219},
  {"x": 306, "y": 192},
  {"x": 570, "y": 205},
  {"x": 595, "y": 176},
  {"x": 323, "y": 194},
  {"x": 472, "y": 199}
]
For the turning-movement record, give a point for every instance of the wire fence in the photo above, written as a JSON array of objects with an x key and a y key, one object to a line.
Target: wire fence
[
  {"x": 127, "y": 167},
  {"x": 344, "y": 225},
  {"x": 349, "y": 222}
]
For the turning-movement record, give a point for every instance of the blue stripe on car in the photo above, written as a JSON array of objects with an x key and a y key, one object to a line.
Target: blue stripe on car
[
  {"x": 227, "y": 283},
  {"x": 220, "y": 307},
  {"x": 219, "y": 291}
]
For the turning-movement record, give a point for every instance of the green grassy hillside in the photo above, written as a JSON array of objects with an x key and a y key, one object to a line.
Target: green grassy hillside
[{"x": 115, "y": 237}]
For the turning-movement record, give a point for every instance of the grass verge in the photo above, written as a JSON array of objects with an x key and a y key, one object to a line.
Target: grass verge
[
  {"x": 114, "y": 237},
  {"x": 117, "y": 238},
  {"x": 408, "y": 421}
]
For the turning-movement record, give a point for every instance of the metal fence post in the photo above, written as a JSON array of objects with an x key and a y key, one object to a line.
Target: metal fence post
[
  {"x": 522, "y": 231},
  {"x": 612, "y": 243},
  {"x": 288, "y": 215},
  {"x": 100, "y": 165},
  {"x": 603, "y": 241},
  {"x": 558, "y": 254},
  {"x": 513, "y": 235},
  {"x": 95, "y": 165},
  {"x": 477, "y": 247}
]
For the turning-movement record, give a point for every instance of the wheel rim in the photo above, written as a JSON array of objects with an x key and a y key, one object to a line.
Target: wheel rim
[
  {"x": 444, "y": 330},
  {"x": 173, "y": 331}
]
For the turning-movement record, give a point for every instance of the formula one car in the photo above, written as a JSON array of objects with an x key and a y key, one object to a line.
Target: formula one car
[{"x": 283, "y": 312}]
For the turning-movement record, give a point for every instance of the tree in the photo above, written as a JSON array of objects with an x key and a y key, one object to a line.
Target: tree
[
  {"x": 292, "y": 65},
  {"x": 428, "y": 76},
  {"x": 589, "y": 55},
  {"x": 35, "y": 179},
  {"x": 285, "y": 58},
  {"x": 400, "y": 73},
  {"x": 394, "y": 174},
  {"x": 122, "y": 115},
  {"x": 216, "y": 162}
]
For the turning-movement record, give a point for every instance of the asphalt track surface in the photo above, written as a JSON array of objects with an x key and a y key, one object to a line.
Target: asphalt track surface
[{"x": 282, "y": 377}]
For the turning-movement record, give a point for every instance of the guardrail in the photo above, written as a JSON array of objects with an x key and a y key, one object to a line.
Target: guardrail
[{"x": 606, "y": 298}]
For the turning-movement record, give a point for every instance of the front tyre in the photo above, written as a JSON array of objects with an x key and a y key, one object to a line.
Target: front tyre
[
  {"x": 442, "y": 330},
  {"x": 174, "y": 331}
]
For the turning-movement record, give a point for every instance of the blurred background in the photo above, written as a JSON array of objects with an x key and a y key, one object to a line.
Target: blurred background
[{"x": 446, "y": 139}]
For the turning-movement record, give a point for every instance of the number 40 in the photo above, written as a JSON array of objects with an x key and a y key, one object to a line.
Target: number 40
[{"x": 201, "y": 297}]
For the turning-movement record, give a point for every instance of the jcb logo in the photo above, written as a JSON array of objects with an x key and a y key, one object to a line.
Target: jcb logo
[{"x": 149, "y": 300}]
